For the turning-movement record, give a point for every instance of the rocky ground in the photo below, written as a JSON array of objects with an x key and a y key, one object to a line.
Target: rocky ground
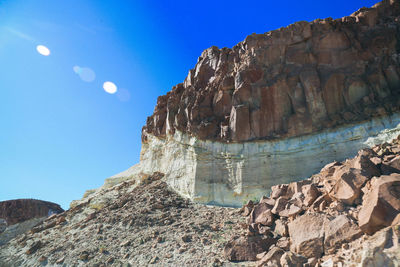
[
  {"x": 346, "y": 215},
  {"x": 144, "y": 225}
]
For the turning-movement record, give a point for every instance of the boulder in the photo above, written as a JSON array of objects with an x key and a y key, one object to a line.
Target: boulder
[
  {"x": 307, "y": 235},
  {"x": 281, "y": 228},
  {"x": 345, "y": 184},
  {"x": 280, "y": 205},
  {"x": 310, "y": 193},
  {"x": 272, "y": 257},
  {"x": 338, "y": 231},
  {"x": 381, "y": 203},
  {"x": 290, "y": 259},
  {"x": 262, "y": 214},
  {"x": 246, "y": 248}
]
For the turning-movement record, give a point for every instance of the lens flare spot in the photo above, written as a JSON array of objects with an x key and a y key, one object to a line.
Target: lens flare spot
[
  {"x": 123, "y": 95},
  {"x": 43, "y": 50},
  {"x": 86, "y": 74},
  {"x": 110, "y": 87}
]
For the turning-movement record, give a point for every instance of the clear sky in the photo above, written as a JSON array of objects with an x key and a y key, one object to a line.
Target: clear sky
[{"x": 60, "y": 132}]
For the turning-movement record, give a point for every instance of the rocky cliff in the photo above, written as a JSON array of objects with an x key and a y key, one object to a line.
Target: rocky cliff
[
  {"x": 348, "y": 214},
  {"x": 277, "y": 107},
  {"x": 289, "y": 82},
  {"x": 19, "y": 210}
]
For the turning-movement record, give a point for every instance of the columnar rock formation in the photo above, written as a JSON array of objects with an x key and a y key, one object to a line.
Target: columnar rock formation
[
  {"x": 277, "y": 107},
  {"x": 289, "y": 82}
]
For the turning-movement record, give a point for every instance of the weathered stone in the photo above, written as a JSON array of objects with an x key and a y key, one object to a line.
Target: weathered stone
[
  {"x": 307, "y": 235},
  {"x": 281, "y": 228},
  {"x": 324, "y": 84},
  {"x": 280, "y": 205},
  {"x": 338, "y": 231},
  {"x": 273, "y": 256},
  {"x": 261, "y": 214},
  {"x": 3, "y": 225},
  {"x": 246, "y": 248},
  {"x": 381, "y": 203},
  {"x": 347, "y": 184},
  {"x": 19, "y": 210},
  {"x": 310, "y": 194},
  {"x": 290, "y": 259},
  {"x": 34, "y": 247}
]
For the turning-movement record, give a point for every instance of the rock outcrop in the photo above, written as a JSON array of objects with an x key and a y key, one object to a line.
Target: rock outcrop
[
  {"x": 277, "y": 107},
  {"x": 20, "y": 215},
  {"x": 20, "y": 210},
  {"x": 289, "y": 82},
  {"x": 138, "y": 224},
  {"x": 346, "y": 215}
]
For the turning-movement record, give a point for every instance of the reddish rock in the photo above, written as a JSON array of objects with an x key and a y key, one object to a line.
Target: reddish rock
[
  {"x": 338, "y": 231},
  {"x": 346, "y": 184},
  {"x": 280, "y": 205},
  {"x": 290, "y": 259},
  {"x": 311, "y": 193},
  {"x": 279, "y": 191},
  {"x": 19, "y": 210},
  {"x": 261, "y": 214},
  {"x": 273, "y": 256},
  {"x": 289, "y": 82},
  {"x": 307, "y": 235},
  {"x": 246, "y": 248},
  {"x": 381, "y": 204}
]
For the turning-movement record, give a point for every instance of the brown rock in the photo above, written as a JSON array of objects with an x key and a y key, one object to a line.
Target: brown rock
[
  {"x": 261, "y": 214},
  {"x": 281, "y": 228},
  {"x": 311, "y": 193},
  {"x": 19, "y": 210},
  {"x": 273, "y": 256},
  {"x": 280, "y": 205},
  {"x": 381, "y": 203},
  {"x": 307, "y": 235},
  {"x": 347, "y": 184},
  {"x": 34, "y": 247},
  {"x": 246, "y": 248},
  {"x": 246, "y": 209},
  {"x": 338, "y": 231},
  {"x": 279, "y": 191},
  {"x": 288, "y": 82},
  {"x": 283, "y": 243},
  {"x": 290, "y": 259}
]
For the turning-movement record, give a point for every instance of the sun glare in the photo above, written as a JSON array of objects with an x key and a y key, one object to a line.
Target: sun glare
[
  {"x": 43, "y": 50},
  {"x": 110, "y": 87}
]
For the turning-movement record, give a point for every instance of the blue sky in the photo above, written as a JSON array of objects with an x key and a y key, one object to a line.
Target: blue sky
[{"x": 61, "y": 135}]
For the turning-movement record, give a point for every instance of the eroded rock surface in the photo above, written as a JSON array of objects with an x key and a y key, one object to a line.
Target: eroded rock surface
[
  {"x": 19, "y": 210},
  {"x": 346, "y": 215},
  {"x": 289, "y": 82}
]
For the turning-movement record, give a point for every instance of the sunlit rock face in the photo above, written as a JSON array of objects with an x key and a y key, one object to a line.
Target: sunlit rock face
[
  {"x": 289, "y": 82},
  {"x": 276, "y": 107},
  {"x": 219, "y": 173}
]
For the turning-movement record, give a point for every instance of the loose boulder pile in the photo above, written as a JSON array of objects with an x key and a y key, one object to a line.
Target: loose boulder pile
[{"x": 346, "y": 215}]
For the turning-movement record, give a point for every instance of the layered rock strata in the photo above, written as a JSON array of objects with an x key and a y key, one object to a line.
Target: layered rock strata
[
  {"x": 229, "y": 174},
  {"x": 276, "y": 107}
]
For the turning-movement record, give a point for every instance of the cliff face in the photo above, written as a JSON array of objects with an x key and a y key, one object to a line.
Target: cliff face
[
  {"x": 19, "y": 210},
  {"x": 276, "y": 108},
  {"x": 289, "y": 82}
]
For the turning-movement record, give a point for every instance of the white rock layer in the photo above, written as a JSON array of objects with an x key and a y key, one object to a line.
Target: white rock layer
[{"x": 231, "y": 173}]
